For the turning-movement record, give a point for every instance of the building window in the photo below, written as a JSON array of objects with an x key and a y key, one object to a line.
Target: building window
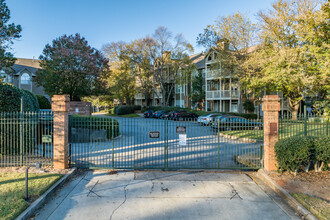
[{"x": 25, "y": 79}]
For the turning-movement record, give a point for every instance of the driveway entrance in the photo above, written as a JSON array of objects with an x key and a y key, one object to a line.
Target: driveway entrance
[
  {"x": 139, "y": 143},
  {"x": 162, "y": 195}
]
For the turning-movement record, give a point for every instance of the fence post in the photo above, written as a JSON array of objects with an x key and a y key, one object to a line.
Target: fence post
[
  {"x": 270, "y": 106},
  {"x": 61, "y": 108}
]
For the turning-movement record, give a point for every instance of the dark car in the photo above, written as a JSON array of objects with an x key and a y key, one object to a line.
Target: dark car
[
  {"x": 182, "y": 115},
  {"x": 148, "y": 114},
  {"x": 193, "y": 115},
  {"x": 228, "y": 123},
  {"x": 158, "y": 114}
]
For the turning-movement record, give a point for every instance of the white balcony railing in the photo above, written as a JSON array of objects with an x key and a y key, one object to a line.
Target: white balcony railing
[
  {"x": 222, "y": 94},
  {"x": 213, "y": 74},
  {"x": 139, "y": 96},
  {"x": 213, "y": 94}
]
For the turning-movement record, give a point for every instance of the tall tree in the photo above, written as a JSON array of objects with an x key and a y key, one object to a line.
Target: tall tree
[
  {"x": 8, "y": 33},
  {"x": 141, "y": 64},
  {"x": 121, "y": 79},
  {"x": 232, "y": 36},
  {"x": 292, "y": 58},
  {"x": 198, "y": 94},
  {"x": 169, "y": 61},
  {"x": 71, "y": 66}
]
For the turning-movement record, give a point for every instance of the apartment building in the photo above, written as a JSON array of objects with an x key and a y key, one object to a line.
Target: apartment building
[
  {"x": 222, "y": 90},
  {"x": 182, "y": 96},
  {"x": 21, "y": 75}
]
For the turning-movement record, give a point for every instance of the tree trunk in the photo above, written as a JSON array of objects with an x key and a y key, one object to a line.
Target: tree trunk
[{"x": 295, "y": 109}]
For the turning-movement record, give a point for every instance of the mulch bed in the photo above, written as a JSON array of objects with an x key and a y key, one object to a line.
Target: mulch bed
[{"x": 312, "y": 183}]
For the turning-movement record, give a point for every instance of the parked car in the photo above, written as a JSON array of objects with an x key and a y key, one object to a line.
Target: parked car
[
  {"x": 158, "y": 114},
  {"x": 193, "y": 115},
  {"x": 148, "y": 114},
  {"x": 206, "y": 119},
  {"x": 217, "y": 118},
  {"x": 166, "y": 115},
  {"x": 182, "y": 114},
  {"x": 228, "y": 123}
]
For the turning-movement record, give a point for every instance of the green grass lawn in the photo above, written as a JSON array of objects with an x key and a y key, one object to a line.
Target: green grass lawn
[
  {"x": 133, "y": 115},
  {"x": 317, "y": 206},
  {"x": 12, "y": 190},
  {"x": 286, "y": 129}
]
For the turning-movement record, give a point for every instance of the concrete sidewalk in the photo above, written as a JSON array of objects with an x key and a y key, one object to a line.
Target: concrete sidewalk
[{"x": 162, "y": 195}]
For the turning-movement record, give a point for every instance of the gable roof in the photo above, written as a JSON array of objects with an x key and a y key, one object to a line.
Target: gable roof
[
  {"x": 31, "y": 65},
  {"x": 198, "y": 59}
]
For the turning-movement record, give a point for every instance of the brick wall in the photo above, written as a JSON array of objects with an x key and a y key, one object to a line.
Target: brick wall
[{"x": 80, "y": 108}]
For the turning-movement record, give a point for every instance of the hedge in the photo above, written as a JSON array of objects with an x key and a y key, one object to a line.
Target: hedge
[
  {"x": 95, "y": 123},
  {"x": 137, "y": 107},
  {"x": 322, "y": 153},
  {"x": 123, "y": 109},
  {"x": 10, "y": 99},
  {"x": 299, "y": 153},
  {"x": 43, "y": 102},
  {"x": 10, "y": 106},
  {"x": 115, "y": 110},
  {"x": 32, "y": 99}
]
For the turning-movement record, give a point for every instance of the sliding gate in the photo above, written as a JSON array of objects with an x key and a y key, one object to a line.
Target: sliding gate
[{"x": 139, "y": 143}]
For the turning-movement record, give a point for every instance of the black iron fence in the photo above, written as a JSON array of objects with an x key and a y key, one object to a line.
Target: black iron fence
[{"x": 26, "y": 138}]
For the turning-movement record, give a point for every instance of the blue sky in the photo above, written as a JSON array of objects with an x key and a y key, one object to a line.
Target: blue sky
[{"x": 105, "y": 21}]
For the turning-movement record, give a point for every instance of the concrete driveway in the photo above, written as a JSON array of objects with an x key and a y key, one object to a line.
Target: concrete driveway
[{"x": 162, "y": 195}]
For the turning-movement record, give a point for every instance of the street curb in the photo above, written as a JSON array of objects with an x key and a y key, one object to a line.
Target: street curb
[
  {"x": 42, "y": 199},
  {"x": 286, "y": 196}
]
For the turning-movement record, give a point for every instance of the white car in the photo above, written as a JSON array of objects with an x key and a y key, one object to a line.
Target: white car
[{"x": 206, "y": 119}]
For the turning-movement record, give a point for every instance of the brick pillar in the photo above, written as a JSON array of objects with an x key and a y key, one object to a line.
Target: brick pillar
[
  {"x": 61, "y": 108},
  {"x": 270, "y": 107}
]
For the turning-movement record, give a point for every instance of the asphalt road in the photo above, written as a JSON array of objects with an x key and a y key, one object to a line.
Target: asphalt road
[{"x": 134, "y": 149}]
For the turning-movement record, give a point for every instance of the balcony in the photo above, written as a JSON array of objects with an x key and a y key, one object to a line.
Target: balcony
[
  {"x": 223, "y": 94},
  {"x": 213, "y": 94},
  {"x": 139, "y": 96},
  {"x": 214, "y": 74}
]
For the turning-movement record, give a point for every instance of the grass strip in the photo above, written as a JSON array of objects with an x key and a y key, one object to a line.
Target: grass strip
[{"x": 12, "y": 190}]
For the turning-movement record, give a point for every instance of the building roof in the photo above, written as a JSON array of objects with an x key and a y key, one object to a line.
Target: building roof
[
  {"x": 28, "y": 62},
  {"x": 198, "y": 60},
  {"x": 32, "y": 65}
]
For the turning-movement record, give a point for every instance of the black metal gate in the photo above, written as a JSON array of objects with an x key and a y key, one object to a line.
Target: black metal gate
[{"x": 139, "y": 143}]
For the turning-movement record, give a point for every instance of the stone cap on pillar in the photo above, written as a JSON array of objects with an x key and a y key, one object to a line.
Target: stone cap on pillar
[
  {"x": 271, "y": 103},
  {"x": 61, "y": 103}
]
